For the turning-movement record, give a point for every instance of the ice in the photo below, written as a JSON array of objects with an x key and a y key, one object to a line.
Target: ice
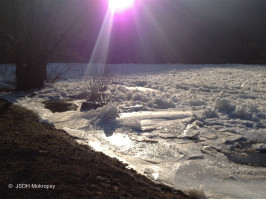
[
  {"x": 260, "y": 147},
  {"x": 133, "y": 108},
  {"x": 163, "y": 104},
  {"x": 246, "y": 112},
  {"x": 224, "y": 105},
  {"x": 143, "y": 89},
  {"x": 190, "y": 132},
  {"x": 187, "y": 126},
  {"x": 120, "y": 140},
  {"x": 152, "y": 172},
  {"x": 7, "y": 75},
  {"x": 209, "y": 113},
  {"x": 45, "y": 121},
  {"x": 170, "y": 115}
]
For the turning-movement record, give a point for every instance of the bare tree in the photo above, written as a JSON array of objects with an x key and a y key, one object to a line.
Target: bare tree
[{"x": 34, "y": 29}]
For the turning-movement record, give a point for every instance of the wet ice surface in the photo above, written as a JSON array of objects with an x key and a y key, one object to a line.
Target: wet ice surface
[{"x": 192, "y": 127}]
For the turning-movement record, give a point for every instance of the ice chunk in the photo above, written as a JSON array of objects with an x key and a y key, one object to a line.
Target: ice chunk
[
  {"x": 224, "y": 105},
  {"x": 137, "y": 107},
  {"x": 209, "y": 150},
  {"x": 163, "y": 104},
  {"x": 260, "y": 147},
  {"x": 209, "y": 113},
  {"x": 45, "y": 121},
  {"x": 245, "y": 111},
  {"x": 108, "y": 112},
  {"x": 190, "y": 132},
  {"x": 152, "y": 172}
]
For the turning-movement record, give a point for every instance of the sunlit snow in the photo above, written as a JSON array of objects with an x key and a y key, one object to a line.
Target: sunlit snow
[{"x": 197, "y": 127}]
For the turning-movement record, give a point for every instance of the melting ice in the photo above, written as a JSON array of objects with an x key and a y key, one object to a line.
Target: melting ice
[{"x": 191, "y": 127}]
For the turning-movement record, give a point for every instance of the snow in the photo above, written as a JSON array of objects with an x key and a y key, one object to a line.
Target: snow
[
  {"x": 224, "y": 105},
  {"x": 103, "y": 114},
  {"x": 7, "y": 75},
  {"x": 45, "y": 121},
  {"x": 174, "y": 123}
]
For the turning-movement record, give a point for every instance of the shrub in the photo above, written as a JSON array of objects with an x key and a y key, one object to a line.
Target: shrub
[{"x": 97, "y": 81}]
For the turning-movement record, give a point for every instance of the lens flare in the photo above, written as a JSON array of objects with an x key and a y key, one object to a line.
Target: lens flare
[{"x": 119, "y": 6}]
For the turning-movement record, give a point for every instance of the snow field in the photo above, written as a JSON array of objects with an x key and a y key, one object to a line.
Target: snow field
[{"x": 174, "y": 123}]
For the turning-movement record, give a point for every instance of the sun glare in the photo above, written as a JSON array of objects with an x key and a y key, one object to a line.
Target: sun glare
[{"x": 119, "y": 6}]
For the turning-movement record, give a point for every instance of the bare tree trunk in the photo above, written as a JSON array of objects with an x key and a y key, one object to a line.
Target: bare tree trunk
[
  {"x": 29, "y": 77},
  {"x": 30, "y": 73},
  {"x": 32, "y": 30},
  {"x": 20, "y": 68},
  {"x": 20, "y": 75}
]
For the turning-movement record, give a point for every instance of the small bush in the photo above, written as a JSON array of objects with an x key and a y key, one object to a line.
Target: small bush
[{"x": 97, "y": 81}]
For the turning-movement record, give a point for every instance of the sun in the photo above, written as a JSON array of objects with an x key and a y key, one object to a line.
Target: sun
[{"x": 119, "y": 6}]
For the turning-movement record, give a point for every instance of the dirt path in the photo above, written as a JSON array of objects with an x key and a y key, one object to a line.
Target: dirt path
[{"x": 34, "y": 153}]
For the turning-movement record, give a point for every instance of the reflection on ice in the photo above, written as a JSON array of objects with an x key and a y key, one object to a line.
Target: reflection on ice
[
  {"x": 167, "y": 115},
  {"x": 120, "y": 140}
]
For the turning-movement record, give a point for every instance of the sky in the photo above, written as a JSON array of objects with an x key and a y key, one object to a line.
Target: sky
[
  {"x": 165, "y": 31},
  {"x": 186, "y": 31}
]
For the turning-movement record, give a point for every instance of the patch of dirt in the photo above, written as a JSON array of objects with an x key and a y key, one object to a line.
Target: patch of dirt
[
  {"x": 34, "y": 153},
  {"x": 59, "y": 105},
  {"x": 86, "y": 106}
]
